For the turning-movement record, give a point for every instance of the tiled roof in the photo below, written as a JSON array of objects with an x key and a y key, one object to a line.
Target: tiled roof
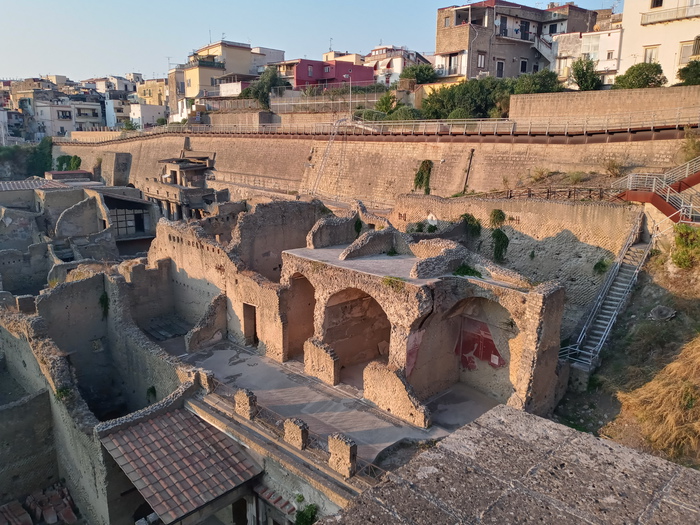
[
  {"x": 32, "y": 184},
  {"x": 179, "y": 463},
  {"x": 274, "y": 499}
]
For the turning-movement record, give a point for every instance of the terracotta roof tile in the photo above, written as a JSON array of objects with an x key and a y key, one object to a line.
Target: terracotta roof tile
[{"x": 179, "y": 463}]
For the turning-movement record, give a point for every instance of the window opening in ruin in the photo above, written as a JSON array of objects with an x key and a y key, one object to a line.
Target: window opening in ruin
[{"x": 250, "y": 329}]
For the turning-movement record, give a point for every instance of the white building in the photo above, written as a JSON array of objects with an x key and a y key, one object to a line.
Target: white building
[
  {"x": 603, "y": 47},
  {"x": 389, "y": 62},
  {"x": 57, "y": 117},
  {"x": 146, "y": 115},
  {"x": 663, "y": 31},
  {"x": 116, "y": 112}
]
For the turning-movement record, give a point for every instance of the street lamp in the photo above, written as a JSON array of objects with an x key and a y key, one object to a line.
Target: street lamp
[{"x": 349, "y": 77}]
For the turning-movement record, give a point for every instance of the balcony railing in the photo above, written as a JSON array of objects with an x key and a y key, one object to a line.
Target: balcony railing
[
  {"x": 528, "y": 36},
  {"x": 667, "y": 15}
]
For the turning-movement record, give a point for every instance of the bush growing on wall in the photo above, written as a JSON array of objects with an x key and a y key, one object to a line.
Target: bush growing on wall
[
  {"x": 422, "y": 177},
  {"x": 500, "y": 244},
  {"x": 584, "y": 75}
]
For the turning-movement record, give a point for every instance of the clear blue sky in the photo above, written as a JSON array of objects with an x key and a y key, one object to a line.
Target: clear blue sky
[{"x": 82, "y": 39}]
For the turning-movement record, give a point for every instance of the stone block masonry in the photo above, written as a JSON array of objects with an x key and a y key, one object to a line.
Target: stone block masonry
[{"x": 375, "y": 170}]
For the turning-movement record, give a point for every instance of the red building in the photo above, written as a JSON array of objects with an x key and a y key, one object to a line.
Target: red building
[{"x": 302, "y": 72}]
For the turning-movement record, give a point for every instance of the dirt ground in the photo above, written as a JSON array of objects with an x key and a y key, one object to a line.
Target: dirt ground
[{"x": 637, "y": 350}]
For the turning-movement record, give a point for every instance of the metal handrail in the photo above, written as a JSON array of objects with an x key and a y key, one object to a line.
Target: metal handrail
[
  {"x": 567, "y": 351},
  {"x": 678, "y": 119}
]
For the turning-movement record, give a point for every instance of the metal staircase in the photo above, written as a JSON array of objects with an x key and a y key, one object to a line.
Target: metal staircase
[
  {"x": 610, "y": 302},
  {"x": 684, "y": 205},
  {"x": 326, "y": 154}
]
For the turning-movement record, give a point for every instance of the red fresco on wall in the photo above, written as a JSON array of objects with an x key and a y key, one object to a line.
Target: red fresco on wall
[{"x": 475, "y": 343}]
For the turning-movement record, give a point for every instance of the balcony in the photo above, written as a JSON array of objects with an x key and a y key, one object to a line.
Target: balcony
[
  {"x": 516, "y": 34},
  {"x": 201, "y": 62},
  {"x": 668, "y": 15}
]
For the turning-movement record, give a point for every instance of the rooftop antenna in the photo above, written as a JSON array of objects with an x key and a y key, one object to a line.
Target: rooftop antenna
[
  {"x": 210, "y": 35},
  {"x": 223, "y": 36},
  {"x": 330, "y": 44}
]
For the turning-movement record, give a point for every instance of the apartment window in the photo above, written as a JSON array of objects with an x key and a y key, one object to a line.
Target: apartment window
[
  {"x": 481, "y": 60},
  {"x": 64, "y": 115},
  {"x": 552, "y": 29},
  {"x": 656, "y": 3},
  {"x": 189, "y": 82},
  {"x": 447, "y": 21},
  {"x": 610, "y": 55},
  {"x": 326, "y": 69},
  {"x": 686, "y": 52},
  {"x": 213, "y": 81},
  {"x": 696, "y": 46},
  {"x": 500, "y": 68},
  {"x": 523, "y": 65},
  {"x": 651, "y": 54},
  {"x": 535, "y": 68},
  {"x": 311, "y": 71}
]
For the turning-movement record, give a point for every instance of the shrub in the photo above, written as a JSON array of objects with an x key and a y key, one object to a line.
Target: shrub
[
  {"x": 464, "y": 270},
  {"x": 691, "y": 144},
  {"x": 689, "y": 74},
  {"x": 420, "y": 227},
  {"x": 307, "y": 515},
  {"x": 687, "y": 250},
  {"x": 601, "y": 266},
  {"x": 63, "y": 393},
  {"x": 539, "y": 174},
  {"x": 392, "y": 252},
  {"x": 643, "y": 75},
  {"x": 576, "y": 177},
  {"x": 432, "y": 228},
  {"x": 472, "y": 225},
  {"x": 500, "y": 244},
  {"x": 358, "y": 227},
  {"x": 613, "y": 168},
  {"x": 458, "y": 113},
  {"x": 422, "y": 177},
  {"x": 497, "y": 218},
  {"x": 422, "y": 73}
]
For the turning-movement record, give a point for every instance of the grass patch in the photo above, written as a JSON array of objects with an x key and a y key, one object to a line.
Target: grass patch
[
  {"x": 576, "y": 177},
  {"x": 395, "y": 283},
  {"x": 668, "y": 407},
  {"x": 539, "y": 174},
  {"x": 614, "y": 168},
  {"x": 464, "y": 270}
]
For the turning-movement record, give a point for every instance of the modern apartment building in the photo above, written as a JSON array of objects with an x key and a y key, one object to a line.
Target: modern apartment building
[
  {"x": 502, "y": 39},
  {"x": 663, "y": 31}
]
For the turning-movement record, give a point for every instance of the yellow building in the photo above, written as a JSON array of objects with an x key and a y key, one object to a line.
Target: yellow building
[
  {"x": 210, "y": 62},
  {"x": 153, "y": 92}
]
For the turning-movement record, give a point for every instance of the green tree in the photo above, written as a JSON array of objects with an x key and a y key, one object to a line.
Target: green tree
[
  {"x": 129, "y": 126},
  {"x": 387, "y": 103},
  {"x": 422, "y": 73},
  {"x": 75, "y": 162},
  {"x": 261, "y": 89},
  {"x": 161, "y": 121},
  {"x": 544, "y": 81},
  {"x": 39, "y": 160},
  {"x": 488, "y": 97},
  {"x": 644, "y": 75},
  {"x": 62, "y": 162},
  {"x": 689, "y": 74},
  {"x": 584, "y": 74}
]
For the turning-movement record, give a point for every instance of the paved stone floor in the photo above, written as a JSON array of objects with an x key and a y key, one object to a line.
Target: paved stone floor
[
  {"x": 326, "y": 409},
  {"x": 510, "y": 467}
]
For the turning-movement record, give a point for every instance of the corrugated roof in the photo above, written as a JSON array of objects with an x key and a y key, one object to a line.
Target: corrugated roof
[
  {"x": 32, "y": 184},
  {"x": 179, "y": 463}
]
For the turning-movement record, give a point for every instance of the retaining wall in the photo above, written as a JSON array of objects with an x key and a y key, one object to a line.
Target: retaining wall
[{"x": 376, "y": 170}]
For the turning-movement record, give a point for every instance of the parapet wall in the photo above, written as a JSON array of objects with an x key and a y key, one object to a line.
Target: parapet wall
[{"x": 602, "y": 103}]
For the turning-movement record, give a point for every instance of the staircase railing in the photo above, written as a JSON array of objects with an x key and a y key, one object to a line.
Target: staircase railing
[
  {"x": 570, "y": 352},
  {"x": 689, "y": 200},
  {"x": 681, "y": 172},
  {"x": 326, "y": 154}
]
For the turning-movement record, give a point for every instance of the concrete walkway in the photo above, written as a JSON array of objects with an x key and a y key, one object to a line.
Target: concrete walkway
[{"x": 332, "y": 409}]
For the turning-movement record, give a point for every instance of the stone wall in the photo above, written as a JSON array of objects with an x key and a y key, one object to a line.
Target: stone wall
[
  {"x": 602, "y": 103},
  {"x": 79, "y": 220},
  {"x": 27, "y": 454},
  {"x": 25, "y": 273},
  {"x": 18, "y": 228},
  {"x": 549, "y": 240},
  {"x": 375, "y": 170}
]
